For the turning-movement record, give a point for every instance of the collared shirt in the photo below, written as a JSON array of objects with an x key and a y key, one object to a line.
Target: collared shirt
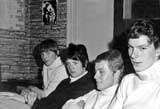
[
  {"x": 75, "y": 79},
  {"x": 53, "y": 75},
  {"x": 141, "y": 92}
]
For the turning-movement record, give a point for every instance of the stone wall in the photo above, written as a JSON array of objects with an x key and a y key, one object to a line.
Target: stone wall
[{"x": 18, "y": 40}]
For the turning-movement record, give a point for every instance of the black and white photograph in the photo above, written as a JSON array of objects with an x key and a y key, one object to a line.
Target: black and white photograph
[
  {"x": 49, "y": 9},
  {"x": 79, "y": 54}
]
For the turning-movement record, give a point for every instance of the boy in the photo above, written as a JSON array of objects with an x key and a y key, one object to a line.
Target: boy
[{"x": 53, "y": 70}]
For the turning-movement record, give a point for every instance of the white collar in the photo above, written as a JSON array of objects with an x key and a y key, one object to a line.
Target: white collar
[
  {"x": 152, "y": 73},
  {"x": 55, "y": 64},
  {"x": 76, "y": 78},
  {"x": 109, "y": 90}
]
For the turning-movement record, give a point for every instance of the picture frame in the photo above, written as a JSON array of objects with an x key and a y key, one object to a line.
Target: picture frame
[
  {"x": 49, "y": 12},
  {"x": 139, "y": 9}
]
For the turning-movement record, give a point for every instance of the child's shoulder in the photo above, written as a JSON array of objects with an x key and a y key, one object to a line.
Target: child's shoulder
[{"x": 129, "y": 77}]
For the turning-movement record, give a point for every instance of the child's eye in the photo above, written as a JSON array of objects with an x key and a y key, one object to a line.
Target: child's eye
[
  {"x": 101, "y": 72},
  {"x": 130, "y": 48},
  {"x": 75, "y": 63},
  {"x": 143, "y": 48}
]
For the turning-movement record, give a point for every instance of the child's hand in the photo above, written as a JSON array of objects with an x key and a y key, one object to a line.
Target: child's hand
[
  {"x": 30, "y": 98},
  {"x": 81, "y": 104},
  {"x": 25, "y": 91}
]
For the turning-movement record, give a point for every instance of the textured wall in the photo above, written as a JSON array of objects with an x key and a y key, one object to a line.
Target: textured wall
[{"x": 18, "y": 40}]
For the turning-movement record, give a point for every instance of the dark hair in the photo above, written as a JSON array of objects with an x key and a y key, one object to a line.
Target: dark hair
[
  {"x": 114, "y": 59},
  {"x": 144, "y": 27},
  {"x": 49, "y": 45},
  {"x": 77, "y": 52}
]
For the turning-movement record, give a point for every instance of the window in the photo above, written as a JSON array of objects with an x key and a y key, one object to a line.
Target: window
[{"x": 137, "y": 9}]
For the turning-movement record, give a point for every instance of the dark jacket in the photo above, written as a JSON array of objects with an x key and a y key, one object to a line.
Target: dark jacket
[{"x": 66, "y": 91}]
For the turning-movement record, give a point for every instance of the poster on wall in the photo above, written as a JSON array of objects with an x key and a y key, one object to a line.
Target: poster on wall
[{"x": 49, "y": 12}]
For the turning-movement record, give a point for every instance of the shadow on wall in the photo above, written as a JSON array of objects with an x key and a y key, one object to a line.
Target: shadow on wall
[
  {"x": 120, "y": 43},
  {"x": 38, "y": 60}
]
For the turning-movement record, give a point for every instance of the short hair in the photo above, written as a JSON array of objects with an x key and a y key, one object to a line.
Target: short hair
[
  {"x": 77, "y": 52},
  {"x": 144, "y": 27},
  {"x": 114, "y": 59},
  {"x": 49, "y": 45}
]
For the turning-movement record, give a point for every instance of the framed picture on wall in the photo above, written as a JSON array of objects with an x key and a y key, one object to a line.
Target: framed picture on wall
[
  {"x": 49, "y": 12},
  {"x": 138, "y": 9}
]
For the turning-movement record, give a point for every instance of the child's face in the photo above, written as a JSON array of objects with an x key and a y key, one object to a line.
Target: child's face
[
  {"x": 75, "y": 68},
  {"x": 142, "y": 54},
  {"x": 48, "y": 57},
  {"x": 104, "y": 76}
]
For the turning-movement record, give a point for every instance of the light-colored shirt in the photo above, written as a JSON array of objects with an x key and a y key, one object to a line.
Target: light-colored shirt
[
  {"x": 93, "y": 100},
  {"x": 141, "y": 92},
  {"x": 76, "y": 78},
  {"x": 53, "y": 75}
]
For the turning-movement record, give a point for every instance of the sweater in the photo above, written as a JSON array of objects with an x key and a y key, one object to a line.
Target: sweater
[
  {"x": 66, "y": 91},
  {"x": 53, "y": 75},
  {"x": 139, "y": 92}
]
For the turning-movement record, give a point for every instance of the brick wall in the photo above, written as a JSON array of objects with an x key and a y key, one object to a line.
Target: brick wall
[{"x": 18, "y": 40}]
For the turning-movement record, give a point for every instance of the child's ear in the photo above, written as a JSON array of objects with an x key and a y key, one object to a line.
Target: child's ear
[
  {"x": 57, "y": 52},
  {"x": 158, "y": 53},
  {"x": 117, "y": 76}
]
